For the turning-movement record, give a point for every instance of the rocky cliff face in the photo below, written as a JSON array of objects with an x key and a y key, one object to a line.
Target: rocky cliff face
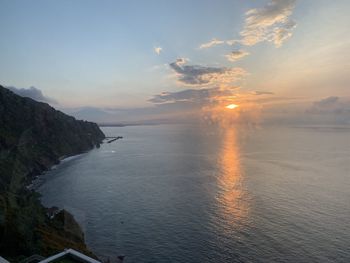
[{"x": 33, "y": 137}]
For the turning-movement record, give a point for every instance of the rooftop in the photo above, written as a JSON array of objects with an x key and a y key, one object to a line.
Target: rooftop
[{"x": 70, "y": 256}]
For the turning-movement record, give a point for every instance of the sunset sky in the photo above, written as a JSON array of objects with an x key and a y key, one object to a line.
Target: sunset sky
[{"x": 121, "y": 57}]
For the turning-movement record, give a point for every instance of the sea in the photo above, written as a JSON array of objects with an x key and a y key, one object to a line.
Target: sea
[{"x": 208, "y": 193}]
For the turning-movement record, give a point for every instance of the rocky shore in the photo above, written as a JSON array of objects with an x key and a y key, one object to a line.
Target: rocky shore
[{"x": 33, "y": 138}]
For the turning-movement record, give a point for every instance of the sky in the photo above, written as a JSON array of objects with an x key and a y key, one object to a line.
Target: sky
[{"x": 111, "y": 61}]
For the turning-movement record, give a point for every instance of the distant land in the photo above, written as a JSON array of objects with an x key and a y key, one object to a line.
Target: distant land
[
  {"x": 34, "y": 137},
  {"x": 142, "y": 123}
]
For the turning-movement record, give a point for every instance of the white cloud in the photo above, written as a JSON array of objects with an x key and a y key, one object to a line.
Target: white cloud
[
  {"x": 270, "y": 23},
  {"x": 33, "y": 93},
  {"x": 211, "y": 43},
  {"x": 158, "y": 50},
  {"x": 232, "y": 42},
  {"x": 236, "y": 55},
  {"x": 281, "y": 34}
]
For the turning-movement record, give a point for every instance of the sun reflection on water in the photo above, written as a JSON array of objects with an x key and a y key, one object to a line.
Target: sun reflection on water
[{"x": 233, "y": 205}]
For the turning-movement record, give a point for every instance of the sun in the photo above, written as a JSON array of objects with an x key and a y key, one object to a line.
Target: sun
[{"x": 231, "y": 106}]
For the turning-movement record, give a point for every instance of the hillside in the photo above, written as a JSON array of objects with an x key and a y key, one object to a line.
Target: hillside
[{"x": 33, "y": 137}]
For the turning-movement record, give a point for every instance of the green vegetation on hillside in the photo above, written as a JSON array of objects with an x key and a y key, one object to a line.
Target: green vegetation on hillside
[{"x": 33, "y": 137}]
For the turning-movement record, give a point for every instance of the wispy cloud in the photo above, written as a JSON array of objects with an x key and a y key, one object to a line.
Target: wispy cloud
[
  {"x": 33, "y": 93},
  {"x": 198, "y": 75},
  {"x": 270, "y": 23},
  {"x": 232, "y": 42},
  {"x": 283, "y": 33},
  {"x": 211, "y": 43},
  {"x": 158, "y": 50},
  {"x": 215, "y": 42},
  {"x": 258, "y": 92},
  {"x": 236, "y": 55}
]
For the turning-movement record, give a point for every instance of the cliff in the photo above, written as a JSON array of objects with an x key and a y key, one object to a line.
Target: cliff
[{"x": 33, "y": 137}]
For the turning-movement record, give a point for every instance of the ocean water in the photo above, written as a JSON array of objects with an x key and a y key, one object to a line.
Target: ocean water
[{"x": 176, "y": 193}]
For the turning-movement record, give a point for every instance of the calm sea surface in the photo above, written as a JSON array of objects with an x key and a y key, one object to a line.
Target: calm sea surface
[{"x": 173, "y": 193}]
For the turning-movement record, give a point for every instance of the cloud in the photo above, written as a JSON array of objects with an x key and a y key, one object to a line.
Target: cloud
[
  {"x": 158, "y": 50},
  {"x": 232, "y": 42},
  {"x": 201, "y": 75},
  {"x": 327, "y": 102},
  {"x": 194, "y": 95},
  {"x": 270, "y": 23},
  {"x": 33, "y": 93},
  {"x": 262, "y": 92},
  {"x": 236, "y": 55},
  {"x": 181, "y": 61},
  {"x": 211, "y": 43},
  {"x": 330, "y": 105},
  {"x": 283, "y": 33},
  {"x": 215, "y": 42}
]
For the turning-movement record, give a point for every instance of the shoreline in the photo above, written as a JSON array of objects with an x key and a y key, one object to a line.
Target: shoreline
[
  {"x": 38, "y": 180},
  {"x": 68, "y": 219}
]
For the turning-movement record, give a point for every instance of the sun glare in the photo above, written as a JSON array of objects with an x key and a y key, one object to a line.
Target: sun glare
[{"x": 232, "y": 106}]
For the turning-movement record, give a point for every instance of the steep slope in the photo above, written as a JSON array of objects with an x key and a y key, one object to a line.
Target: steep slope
[{"x": 33, "y": 137}]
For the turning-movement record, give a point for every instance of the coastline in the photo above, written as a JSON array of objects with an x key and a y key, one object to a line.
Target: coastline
[
  {"x": 35, "y": 138},
  {"x": 39, "y": 179},
  {"x": 60, "y": 230}
]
